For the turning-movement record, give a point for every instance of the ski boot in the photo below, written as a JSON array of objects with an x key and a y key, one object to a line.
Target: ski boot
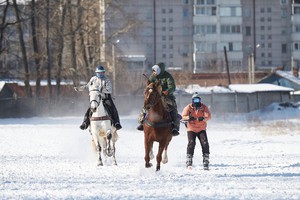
[
  {"x": 189, "y": 161},
  {"x": 206, "y": 161}
]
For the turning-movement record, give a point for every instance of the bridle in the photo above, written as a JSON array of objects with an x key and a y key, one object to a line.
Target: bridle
[
  {"x": 156, "y": 98},
  {"x": 94, "y": 100}
]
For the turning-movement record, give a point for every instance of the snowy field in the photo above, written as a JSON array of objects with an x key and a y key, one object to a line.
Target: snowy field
[{"x": 51, "y": 158}]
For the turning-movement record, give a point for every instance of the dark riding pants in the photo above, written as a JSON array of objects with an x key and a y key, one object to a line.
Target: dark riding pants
[{"x": 109, "y": 107}]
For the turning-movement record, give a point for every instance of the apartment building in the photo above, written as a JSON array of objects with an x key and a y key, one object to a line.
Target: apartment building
[
  {"x": 193, "y": 35},
  {"x": 267, "y": 33},
  {"x": 217, "y": 29},
  {"x": 164, "y": 35},
  {"x": 295, "y": 36}
]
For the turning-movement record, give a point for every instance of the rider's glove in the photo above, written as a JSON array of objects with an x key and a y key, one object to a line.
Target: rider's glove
[
  {"x": 200, "y": 119},
  {"x": 166, "y": 92},
  {"x": 191, "y": 118}
]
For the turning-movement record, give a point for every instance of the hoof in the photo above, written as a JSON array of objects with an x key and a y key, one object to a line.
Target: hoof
[
  {"x": 157, "y": 168},
  {"x": 148, "y": 165},
  {"x": 100, "y": 164}
]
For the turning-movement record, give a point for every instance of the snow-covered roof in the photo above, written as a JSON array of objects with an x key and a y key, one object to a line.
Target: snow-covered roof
[
  {"x": 43, "y": 82},
  {"x": 261, "y": 87},
  {"x": 242, "y": 88},
  {"x": 288, "y": 75},
  {"x": 2, "y": 83}
]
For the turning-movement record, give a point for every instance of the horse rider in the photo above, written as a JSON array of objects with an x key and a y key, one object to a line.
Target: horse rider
[
  {"x": 168, "y": 87},
  {"x": 196, "y": 114},
  {"x": 103, "y": 84}
]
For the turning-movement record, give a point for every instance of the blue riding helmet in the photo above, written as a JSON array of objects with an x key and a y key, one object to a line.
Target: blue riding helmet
[{"x": 100, "y": 71}]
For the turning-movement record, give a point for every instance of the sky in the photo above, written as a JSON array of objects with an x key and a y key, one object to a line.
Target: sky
[{"x": 252, "y": 156}]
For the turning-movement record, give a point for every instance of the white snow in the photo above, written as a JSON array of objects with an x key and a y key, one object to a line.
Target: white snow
[{"x": 51, "y": 158}]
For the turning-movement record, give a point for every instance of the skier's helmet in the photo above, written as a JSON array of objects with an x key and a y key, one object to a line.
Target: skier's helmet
[{"x": 196, "y": 100}]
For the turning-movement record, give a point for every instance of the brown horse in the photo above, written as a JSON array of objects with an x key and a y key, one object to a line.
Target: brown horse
[{"x": 157, "y": 126}]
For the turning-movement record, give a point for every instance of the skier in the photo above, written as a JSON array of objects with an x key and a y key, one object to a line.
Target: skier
[
  {"x": 168, "y": 87},
  {"x": 196, "y": 114},
  {"x": 103, "y": 84}
]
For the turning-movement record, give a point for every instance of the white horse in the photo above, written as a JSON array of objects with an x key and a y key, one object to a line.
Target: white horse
[{"x": 103, "y": 133}]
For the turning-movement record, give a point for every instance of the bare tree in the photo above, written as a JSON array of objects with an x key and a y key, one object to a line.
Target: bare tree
[
  {"x": 36, "y": 50},
  {"x": 23, "y": 51}
]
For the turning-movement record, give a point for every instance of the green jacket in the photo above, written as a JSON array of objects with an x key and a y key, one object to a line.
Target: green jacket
[{"x": 166, "y": 80}]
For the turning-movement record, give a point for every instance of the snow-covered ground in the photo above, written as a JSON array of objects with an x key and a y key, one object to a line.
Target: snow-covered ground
[{"x": 51, "y": 158}]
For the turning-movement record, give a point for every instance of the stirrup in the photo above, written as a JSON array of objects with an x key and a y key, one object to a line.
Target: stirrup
[
  {"x": 140, "y": 127},
  {"x": 175, "y": 132}
]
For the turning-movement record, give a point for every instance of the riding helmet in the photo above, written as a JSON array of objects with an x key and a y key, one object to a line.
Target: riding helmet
[{"x": 100, "y": 69}]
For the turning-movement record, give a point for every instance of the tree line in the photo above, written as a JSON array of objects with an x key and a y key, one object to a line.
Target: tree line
[{"x": 59, "y": 40}]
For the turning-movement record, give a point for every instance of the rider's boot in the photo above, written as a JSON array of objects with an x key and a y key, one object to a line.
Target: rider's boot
[
  {"x": 174, "y": 117},
  {"x": 118, "y": 126},
  {"x": 189, "y": 160},
  {"x": 86, "y": 121},
  {"x": 141, "y": 119}
]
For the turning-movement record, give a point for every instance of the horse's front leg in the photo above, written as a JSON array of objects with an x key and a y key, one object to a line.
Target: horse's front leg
[
  {"x": 114, "y": 155},
  {"x": 100, "y": 163},
  {"x": 148, "y": 147},
  {"x": 159, "y": 155}
]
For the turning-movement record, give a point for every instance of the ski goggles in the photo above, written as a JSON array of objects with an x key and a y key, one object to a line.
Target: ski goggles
[{"x": 196, "y": 100}]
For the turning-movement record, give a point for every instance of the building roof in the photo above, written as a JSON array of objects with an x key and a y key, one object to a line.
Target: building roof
[{"x": 282, "y": 78}]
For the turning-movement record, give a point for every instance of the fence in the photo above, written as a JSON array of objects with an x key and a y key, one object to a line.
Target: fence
[{"x": 127, "y": 105}]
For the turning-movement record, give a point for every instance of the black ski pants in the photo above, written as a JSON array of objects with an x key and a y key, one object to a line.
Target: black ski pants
[{"x": 192, "y": 142}]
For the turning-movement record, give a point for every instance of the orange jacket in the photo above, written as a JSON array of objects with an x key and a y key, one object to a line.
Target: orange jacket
[{"x": 196, "y": 126}]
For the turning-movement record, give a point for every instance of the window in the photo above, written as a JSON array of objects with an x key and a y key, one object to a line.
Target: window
[
  {"x": 185, "y": 1},
  {"x": 283, "y": 48},
  {"x": 226, "y": 29},
  {"x": 185, "y": 13},
  {"x": 248, "y": 30},
  {"x": 284, "y": 12},
  {"x": 269, "y": 10},
  {"x": 283, "y": 2},
  {"x": 270, "y": 55},
  {"x": 205, "y": 2},
  {"x": 262, "y": 37},
  {"x": 209, "y": 11},
  {"x": 296, "y": 10},
  {"x": 230, "y": 11},
  {"x": 205, "y": 29},
  {"x": 269, "y": 45},
  {"x": 296, "y": 46},
  {"x": 163, "y": 11}
]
